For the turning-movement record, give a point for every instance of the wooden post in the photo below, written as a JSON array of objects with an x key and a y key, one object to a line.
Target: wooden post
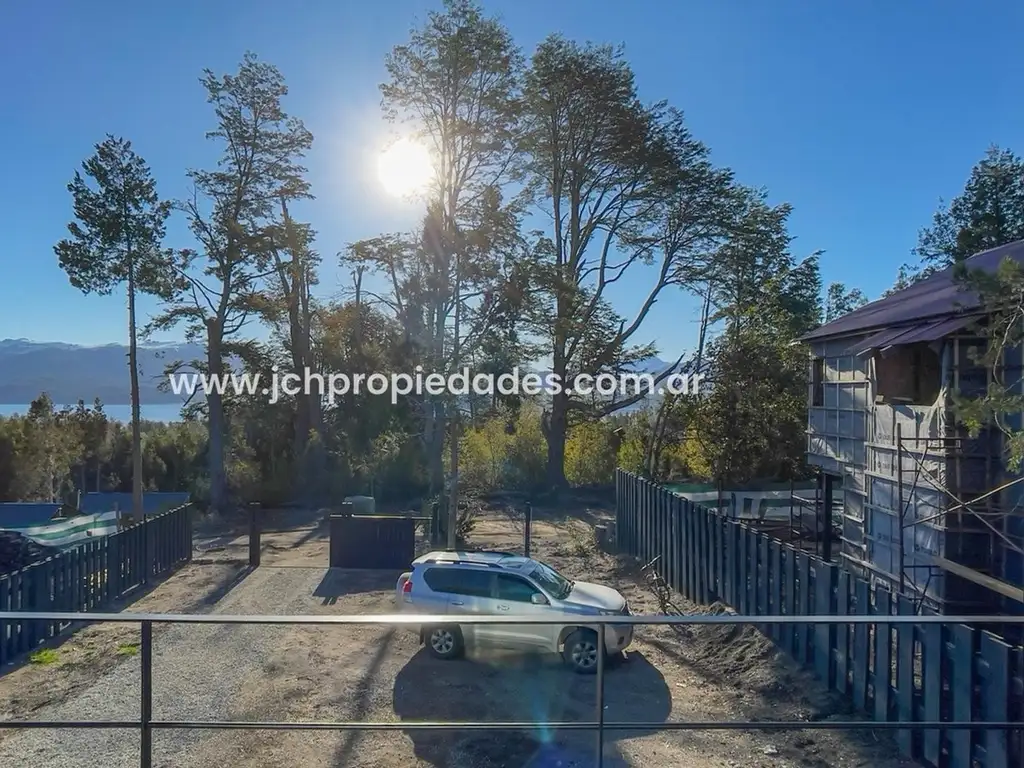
[
  {"x": 254, "y": 536},
  {"x": 338, "y": 523},
  {"x": 435, "y": 524},
  {"x": 826, "y": 516},
  {"x": 527, "y": 528}
]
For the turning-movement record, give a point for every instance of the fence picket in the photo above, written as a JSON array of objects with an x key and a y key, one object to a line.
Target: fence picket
[
  {"x": 824, "y": 634},
  {"x": 994, "y": 695},
  {"x": 842, "y": 677},
  {"x": 906, "y": 691},
  {"x": 882, "y": 676},
  {"x": 789, "y": 598},
  {"x": 932, "y": 664},
  {"x": 890, "y": 673},
  {"x": 803, "y": 631},
  {"x": 961, "y": 691}
]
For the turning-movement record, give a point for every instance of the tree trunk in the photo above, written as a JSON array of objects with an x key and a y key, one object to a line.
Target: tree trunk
[
  {"x": 453, "y": 512},
  {"x": 657, "y": 442},
  {"x": 133, "y": 365},
  {"x": 436, "y": 445},
  {"x": 215, "y": 404},
  {"x": 453, "y": 502},
  {"x": 555, "y": 434}
]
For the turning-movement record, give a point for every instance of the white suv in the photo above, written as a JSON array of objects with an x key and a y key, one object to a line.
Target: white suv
[{"x": 501, "y": 584}]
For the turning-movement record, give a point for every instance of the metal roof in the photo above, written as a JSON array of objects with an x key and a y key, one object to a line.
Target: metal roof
[
  {"x": 935, "y": 299},
  {"x": 913, "y": 334},
  {"x": 153, "y": 502},
  {"x": 24, "y": 514}
]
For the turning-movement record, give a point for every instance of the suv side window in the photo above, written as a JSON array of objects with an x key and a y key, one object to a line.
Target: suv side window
[
  {"x": 455, "y": 580},
  {"x": 515, "y": 589}
]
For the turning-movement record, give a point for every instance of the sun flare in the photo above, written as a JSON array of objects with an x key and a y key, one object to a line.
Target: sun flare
[{"x": 405, "y": 168}]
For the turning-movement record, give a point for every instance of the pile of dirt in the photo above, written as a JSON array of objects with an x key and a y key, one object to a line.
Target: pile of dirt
[
  {"x": 743, "y": 655},
  {"x": 17, "y": 551}
]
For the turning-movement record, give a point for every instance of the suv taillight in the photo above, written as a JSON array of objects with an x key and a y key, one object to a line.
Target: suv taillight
[{"x": 407, "y": 587}]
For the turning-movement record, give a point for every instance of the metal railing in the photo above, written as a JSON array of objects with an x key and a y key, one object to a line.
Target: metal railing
[{"x": 146, "y": 724}]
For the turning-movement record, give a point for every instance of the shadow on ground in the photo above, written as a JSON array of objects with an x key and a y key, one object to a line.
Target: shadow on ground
[
  {"x": 338, "y": 582},
  {"x": 279, "y": 520},
  {"x": 522, "y": 688}
]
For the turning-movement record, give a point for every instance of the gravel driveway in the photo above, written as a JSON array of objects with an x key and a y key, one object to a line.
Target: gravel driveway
[
  {"x": 378, "y": 673},
  {"x": 198, "y": 670}
]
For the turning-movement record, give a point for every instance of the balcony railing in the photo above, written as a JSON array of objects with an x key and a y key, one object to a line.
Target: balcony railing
[{"x": 146, "y": 723}]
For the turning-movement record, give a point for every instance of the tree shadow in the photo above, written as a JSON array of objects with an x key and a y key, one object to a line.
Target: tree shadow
[
  {"x": 338, "y": 582},
  {"x": 285, "y": 520},
  {"x": 361, "y": 705},
  {"x": 321, "y": 531},
  {"x": 500, "y": 686}
]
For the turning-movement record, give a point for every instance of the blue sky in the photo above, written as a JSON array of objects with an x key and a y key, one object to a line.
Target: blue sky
[{"x": 860, "y": 114}]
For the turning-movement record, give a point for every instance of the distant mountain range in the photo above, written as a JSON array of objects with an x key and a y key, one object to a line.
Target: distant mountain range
[{"x": 69, "y": 373}]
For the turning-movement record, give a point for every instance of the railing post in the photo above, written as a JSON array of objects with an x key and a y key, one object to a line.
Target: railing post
[
  {"x": 599, "y": 756},
  {"x": 146, "y": 719}
]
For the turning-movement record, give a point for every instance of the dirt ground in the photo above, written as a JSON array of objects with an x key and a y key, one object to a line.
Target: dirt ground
[{"x": 381, "y": 674}]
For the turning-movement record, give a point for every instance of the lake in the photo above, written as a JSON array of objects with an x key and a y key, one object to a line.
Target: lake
[{"x": 161, "y": 412}]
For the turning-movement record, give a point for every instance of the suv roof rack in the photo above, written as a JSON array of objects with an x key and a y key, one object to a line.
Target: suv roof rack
[
  {"x": 480, "y": 552},
  {"x": 435, "y": 561}
]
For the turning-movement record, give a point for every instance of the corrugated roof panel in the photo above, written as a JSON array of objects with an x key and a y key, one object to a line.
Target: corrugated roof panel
[
  {"x": 881, "y": 339},
  {"x": 935, "y": 331}
]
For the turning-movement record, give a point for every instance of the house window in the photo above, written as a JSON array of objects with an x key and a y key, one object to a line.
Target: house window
[
  {"x": 908, "y": 375},
  {"x": 818, "y": 382}
]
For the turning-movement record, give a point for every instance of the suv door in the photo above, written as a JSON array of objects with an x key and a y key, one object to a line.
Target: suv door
[
  {"x": 514, "y": 596},
  {"x": 468, "y": 592}
]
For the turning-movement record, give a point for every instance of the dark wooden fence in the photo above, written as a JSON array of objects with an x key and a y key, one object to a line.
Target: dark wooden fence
[
  {"x": 91, "y": 577},
  {"x": 903, "y": 673}
]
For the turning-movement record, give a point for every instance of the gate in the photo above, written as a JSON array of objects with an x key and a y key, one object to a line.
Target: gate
[{"x": 384, "y": 542}]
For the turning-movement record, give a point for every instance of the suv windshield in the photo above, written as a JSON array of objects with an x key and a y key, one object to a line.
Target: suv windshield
[{"x": 551, "y": 580}]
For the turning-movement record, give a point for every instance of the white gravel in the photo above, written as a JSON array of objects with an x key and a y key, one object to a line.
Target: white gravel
[{"x": 197, "y": 669}]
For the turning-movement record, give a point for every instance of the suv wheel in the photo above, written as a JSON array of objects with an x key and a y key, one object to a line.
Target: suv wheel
[
  {"x": 580, "y": 651},
  {"x": 444, "y": 642}
]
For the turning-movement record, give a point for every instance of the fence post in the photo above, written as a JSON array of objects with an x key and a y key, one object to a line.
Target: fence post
[
  {"x": 599, "y": 697},
  {"x": 826, "y": 519},
  {"x": 254, "y": 535},
  {"x": 147, "y": 561},
  {"x": 189, "y": 530},
  {"x": 527, "y": 528},
  {"x": 146, "y": 718}
]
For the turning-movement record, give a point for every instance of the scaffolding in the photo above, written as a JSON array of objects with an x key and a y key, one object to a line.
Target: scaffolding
[
  {"x": 929, "y": 511},
  {"x": 981, "y": 514}
]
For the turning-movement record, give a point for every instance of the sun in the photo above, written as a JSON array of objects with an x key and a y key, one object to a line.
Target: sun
[{"x": 405, "y": 168}]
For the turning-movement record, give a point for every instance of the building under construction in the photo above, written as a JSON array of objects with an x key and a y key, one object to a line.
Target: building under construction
[{"x": 927, "y": 510}]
